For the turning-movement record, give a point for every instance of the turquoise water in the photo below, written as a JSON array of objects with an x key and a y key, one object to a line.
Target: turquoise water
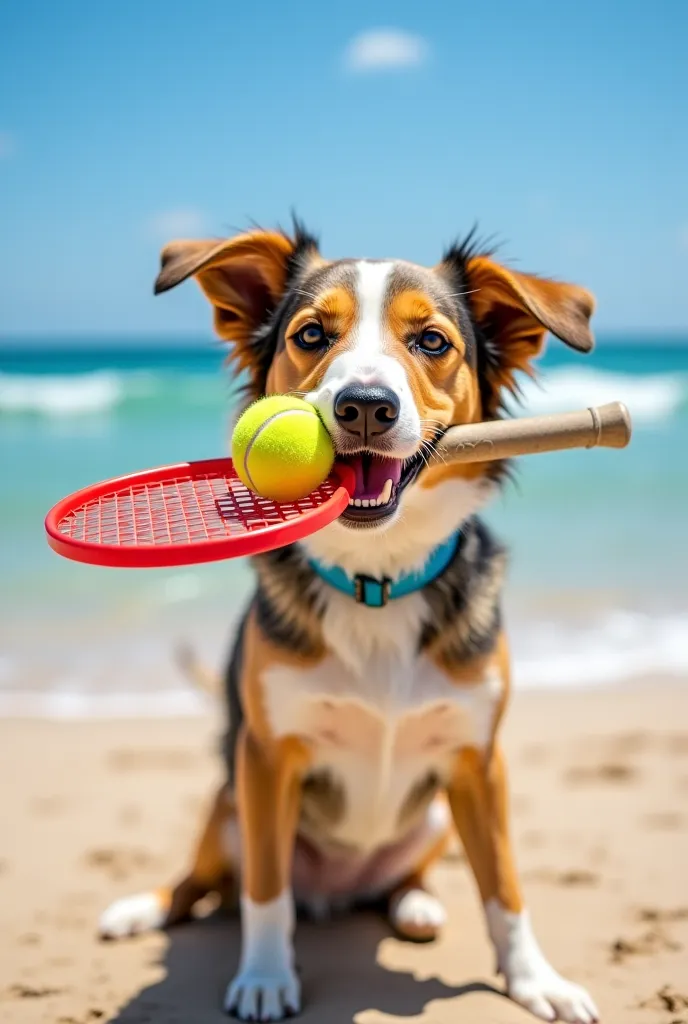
[{"x": 598, "y": 579}]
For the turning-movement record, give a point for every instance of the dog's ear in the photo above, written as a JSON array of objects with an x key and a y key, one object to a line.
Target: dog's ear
[
  {"x": 243, "y": 277},
  {"x": 515, "y": 311}
]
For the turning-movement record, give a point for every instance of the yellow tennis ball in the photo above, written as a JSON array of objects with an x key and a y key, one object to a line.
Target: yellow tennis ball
[{"x": 281, "y": 449}]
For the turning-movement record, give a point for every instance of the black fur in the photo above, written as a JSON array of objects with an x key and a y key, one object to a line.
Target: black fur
[
  {"x": 287, "y": 603},
  {"x": 305, "y": 244},
  {"x": 488, "y": 354},
  {"x": 455, "y": 260},
  {"x": 235, "y": 711},
  {"x": 265, "y": 339},
  {"x": 465, "y": 599}
]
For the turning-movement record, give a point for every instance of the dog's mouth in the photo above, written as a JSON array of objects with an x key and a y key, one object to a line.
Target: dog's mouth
[{"x": 380, "y": 481}]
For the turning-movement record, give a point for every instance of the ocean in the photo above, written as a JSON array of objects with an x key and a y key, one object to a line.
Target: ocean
[{"x": 597, "y": 590}]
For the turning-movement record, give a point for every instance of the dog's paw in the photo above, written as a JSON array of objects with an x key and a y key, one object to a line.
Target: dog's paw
[
  {"x": 551, "y": 997},
  {"x": 131, "y": 916},
  {"x": 264, "y": 995},
  {"x": 531, "y": 980},
  {"x": 417, "y": 915}
]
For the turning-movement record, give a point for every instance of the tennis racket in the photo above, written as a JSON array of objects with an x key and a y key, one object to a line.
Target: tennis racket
[
  {"x": 201, "y": 512},
  {"x": 186, "y": 514}
]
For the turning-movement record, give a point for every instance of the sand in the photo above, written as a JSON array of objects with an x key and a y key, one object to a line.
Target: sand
[{"x": 94, "y": 810}]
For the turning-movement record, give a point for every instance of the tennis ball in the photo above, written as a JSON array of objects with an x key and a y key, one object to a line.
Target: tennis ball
[{"x": 281, "y": 449}]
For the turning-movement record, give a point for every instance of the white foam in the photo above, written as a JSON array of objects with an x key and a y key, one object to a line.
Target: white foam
[
  {"x": 650, "y": 398},
  {"x": 64, "y": 395},
  {"x": 620, "y": 647},
  {"x": 183, "y": 586},
  {"x": 75, "y": 705},
  {"x": 60, "y": 395}
]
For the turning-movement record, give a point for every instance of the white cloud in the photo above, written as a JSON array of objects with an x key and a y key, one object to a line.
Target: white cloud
[
  {"x": 8, "y": 145},
  {"x": 385, "y": 49},
  {"x": 181, "y": 222}
]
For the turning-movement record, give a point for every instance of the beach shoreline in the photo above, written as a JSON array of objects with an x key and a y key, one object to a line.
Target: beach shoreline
[{"x": 99, "y": 809}]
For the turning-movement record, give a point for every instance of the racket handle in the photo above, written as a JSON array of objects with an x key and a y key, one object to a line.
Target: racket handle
[{"x": 607, "y": 426}]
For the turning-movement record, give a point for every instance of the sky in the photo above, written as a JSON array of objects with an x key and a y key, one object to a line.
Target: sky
[{"x": 561, "y": 128}]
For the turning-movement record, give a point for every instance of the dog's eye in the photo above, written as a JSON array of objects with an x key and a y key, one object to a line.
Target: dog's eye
[
  {"x": 432, "y": 342},
  {"x": 311, "y": 336}
]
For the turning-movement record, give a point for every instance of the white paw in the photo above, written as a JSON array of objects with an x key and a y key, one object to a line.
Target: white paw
[
  {"x": 131, "y": 915},
  {"x": 551, "y": 997},
  {"x": 530, "y": 979},
  {"x": 264, "y": 995},
  {"x": 418, "y": 914}
]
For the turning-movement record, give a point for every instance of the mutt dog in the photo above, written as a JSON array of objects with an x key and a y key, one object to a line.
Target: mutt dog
[{"x": 370, "y": 673}]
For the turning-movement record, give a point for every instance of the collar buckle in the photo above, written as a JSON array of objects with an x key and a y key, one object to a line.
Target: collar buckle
[{"x": 372, "y": 592}]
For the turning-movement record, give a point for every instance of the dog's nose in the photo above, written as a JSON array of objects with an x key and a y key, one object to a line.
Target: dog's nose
[{"x": 366, "y": 411}]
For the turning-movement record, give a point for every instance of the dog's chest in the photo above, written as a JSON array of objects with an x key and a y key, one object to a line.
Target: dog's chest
[{"x": 379, "y": 719}]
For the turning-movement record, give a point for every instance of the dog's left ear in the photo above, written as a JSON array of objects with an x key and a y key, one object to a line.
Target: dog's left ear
[
  {"x": 514, "y": 312},
  {"x": 529, "y": 306}
]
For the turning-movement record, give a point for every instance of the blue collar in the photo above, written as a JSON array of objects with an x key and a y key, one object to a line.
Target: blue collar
[{"x": 375, "y": 593}]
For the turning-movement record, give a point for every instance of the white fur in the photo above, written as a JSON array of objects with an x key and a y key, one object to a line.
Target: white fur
[
  {"x": 381, "y": 731},
  {"x": 372, "y": 284},
  {"x": 531, "y": 980},
  {"x": 367, "y": 362},
  {"x": 418, "y": 909},
  {"x": 360, "y": 643},
  {"x": 131, "y": 915},
  {"x": 427, "y": 516},
  {"x": 266, "y": 986}
]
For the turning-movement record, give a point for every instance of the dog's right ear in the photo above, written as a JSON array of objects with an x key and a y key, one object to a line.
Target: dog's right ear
[{"x": 243, "y": 277}]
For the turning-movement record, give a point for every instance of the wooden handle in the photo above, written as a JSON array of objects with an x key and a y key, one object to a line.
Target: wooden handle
[{"x": 607, "y": 426}]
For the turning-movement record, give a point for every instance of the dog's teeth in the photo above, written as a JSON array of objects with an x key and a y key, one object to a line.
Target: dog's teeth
[
  {"x": 383, "y": 498},
  {"x": 386, "y": 493}
]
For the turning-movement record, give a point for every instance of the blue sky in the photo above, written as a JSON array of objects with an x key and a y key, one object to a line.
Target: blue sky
[{"x": 391, "y": 127}]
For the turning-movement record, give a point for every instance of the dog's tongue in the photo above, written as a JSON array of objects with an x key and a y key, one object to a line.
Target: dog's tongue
[{"x": 372, "y": 473}]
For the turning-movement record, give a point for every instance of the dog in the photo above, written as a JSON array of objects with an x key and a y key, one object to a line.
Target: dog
[{"x": 370, "y": 672}]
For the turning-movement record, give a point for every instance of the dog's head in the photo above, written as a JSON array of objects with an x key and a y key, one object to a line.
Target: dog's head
[{"x": 390, "y": 353}]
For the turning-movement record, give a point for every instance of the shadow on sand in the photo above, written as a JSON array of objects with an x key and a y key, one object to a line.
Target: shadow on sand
[{"x": 339, "y": 971}]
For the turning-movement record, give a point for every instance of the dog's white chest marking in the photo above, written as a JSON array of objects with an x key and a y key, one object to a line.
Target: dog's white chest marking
[{"x": 380, "y": 728}]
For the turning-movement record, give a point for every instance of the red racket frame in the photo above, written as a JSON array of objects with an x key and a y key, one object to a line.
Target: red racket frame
[{"x": 166, "y": 552}]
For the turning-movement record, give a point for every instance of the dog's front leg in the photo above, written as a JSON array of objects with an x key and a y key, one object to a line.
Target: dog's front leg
[
  {"x": 268, "y": 794},
  {"x": 478, "y": 799}
]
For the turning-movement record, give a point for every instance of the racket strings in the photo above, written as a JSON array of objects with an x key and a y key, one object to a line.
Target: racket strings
[{"x": 181, "y": 511}]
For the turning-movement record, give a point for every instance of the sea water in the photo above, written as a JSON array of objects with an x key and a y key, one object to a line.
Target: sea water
[{"x": 597, "y": 590}]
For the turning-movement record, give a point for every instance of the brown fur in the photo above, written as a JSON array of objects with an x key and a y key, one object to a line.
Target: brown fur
[
  {"x": 244, "y": 279},
  {"x": 494, "y": 334}
]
